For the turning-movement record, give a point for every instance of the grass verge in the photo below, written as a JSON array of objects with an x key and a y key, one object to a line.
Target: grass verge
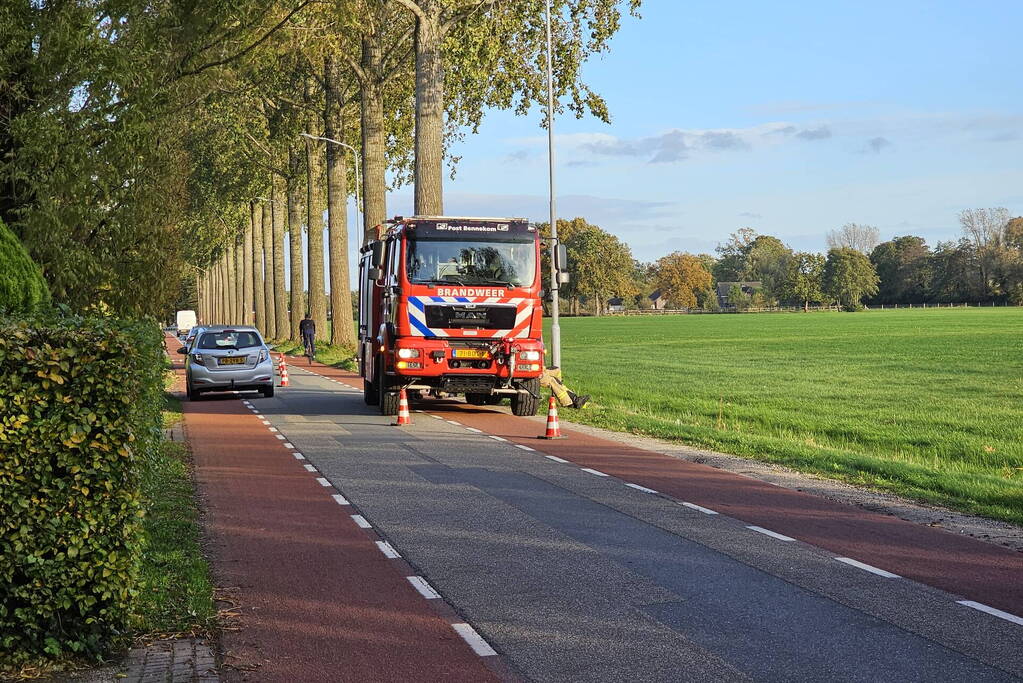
[
  {"x": 175, "y": 591},
  {"x": 328, "y": 354}
]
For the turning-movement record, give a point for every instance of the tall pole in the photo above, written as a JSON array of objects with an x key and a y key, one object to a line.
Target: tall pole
[
  {"x": 555, "y": 302},
  {"x": 355, "y": 155}
]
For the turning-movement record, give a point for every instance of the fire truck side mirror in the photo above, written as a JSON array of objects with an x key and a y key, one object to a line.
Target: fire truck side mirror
[
  {"x": 561, "y": 258},
  {"x": 375, "y": 274},
  {"x": 563, "y": 277},
  {"x": 377, "y": 249}
]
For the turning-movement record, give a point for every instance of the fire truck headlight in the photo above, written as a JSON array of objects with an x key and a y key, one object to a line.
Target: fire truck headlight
[
  {"x": 408, "y": 353},
  {"x": 529, "y": 355}
]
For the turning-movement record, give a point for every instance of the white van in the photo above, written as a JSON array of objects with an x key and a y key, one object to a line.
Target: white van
[{"x": 186, "y": 321}]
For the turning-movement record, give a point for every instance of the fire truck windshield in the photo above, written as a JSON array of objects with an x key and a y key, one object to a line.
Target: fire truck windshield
[{"x": 471, "y": 263}]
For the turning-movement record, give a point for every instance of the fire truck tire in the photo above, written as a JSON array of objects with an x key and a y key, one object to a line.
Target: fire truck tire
[
  {"x": 525, "y": 405},
  {"x": 369, "y": 393},
  {"x": 388, "y": 400}
]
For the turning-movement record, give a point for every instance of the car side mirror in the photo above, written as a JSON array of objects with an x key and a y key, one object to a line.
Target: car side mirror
[
  {"x": 270, "y": 347},
  {"x": 182, "y": 350}
]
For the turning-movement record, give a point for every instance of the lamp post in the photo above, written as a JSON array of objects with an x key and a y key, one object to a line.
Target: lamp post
[
  {"x": 358, "y": 177},
  {"x": 555, "y": 295}
]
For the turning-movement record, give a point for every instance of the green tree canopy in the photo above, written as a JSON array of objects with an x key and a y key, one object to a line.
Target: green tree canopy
[
  {"x": 849, "y": 276},
  {"x": 22, "y": 288},
  {"x": 903, "y": 266}
]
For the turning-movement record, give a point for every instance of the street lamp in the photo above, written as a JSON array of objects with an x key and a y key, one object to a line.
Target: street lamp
[
  {"x": 555, "y": 303},
  {"x": 358, "y": 177}
]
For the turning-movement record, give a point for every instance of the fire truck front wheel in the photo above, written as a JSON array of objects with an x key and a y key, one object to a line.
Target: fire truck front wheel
[
  {"x": 525, "y": 404},
  {"x": 369, "y": 393},
  {"x": 388, "y": 400}
]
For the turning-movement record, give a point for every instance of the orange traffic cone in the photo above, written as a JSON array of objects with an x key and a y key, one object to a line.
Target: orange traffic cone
[
  {"x": 553, "y": 429},
  {"x": 282, "y": 368},
  {"x": 403, "y": 415}
]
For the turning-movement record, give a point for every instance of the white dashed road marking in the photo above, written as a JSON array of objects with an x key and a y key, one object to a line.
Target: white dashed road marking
[
  {"x": 992, "y": 611},
  {"x": 640, "y": 488},
  {"x": 310, "y": 468},
  {"x": 339, "y": 499},
  {"x": 497, "y": 438},
  {"x": 474, "y": 430},
  {"x": 298, "y": 456},
  {"x": 452, "y": 422},
  {"x": 280, "y": 436},
  {"x": 525, "y": 448},
  {"x": 474, "y": 640},
  {"x": 556, "y": 459},
  {"x": 772, "y": 534},
  {"x": 425, "y": 589},
  {"x": 388, "y": 551},
  {"x": 699, "y": 508},
  {"x": 361, "y": 522},
  {"x": 867, "y": 567},
  {"x": 596, "y": 472},
  {"x": 323, "y": 482},
  {"x": 274, "y": 429},
  {"x": 288, "y": 445}
]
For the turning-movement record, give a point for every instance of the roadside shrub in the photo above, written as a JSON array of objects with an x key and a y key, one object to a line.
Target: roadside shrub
[
  {"x": 22, "y": 288},
  {"x": 80, "y": 415}
]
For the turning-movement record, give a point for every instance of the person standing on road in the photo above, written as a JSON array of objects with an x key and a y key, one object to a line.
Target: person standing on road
[{"x": 307, "y": 328}]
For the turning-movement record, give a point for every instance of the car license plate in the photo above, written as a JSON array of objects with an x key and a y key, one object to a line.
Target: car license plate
[
  {"x": 470, "y": 353},
  {"x": 235, "y": 360}
]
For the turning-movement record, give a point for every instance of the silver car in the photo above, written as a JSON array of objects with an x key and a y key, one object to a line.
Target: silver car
[{"x": 228, "y": 358}]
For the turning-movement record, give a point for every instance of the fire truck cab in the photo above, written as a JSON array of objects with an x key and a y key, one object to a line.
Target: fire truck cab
[{"x": 452, "y": 305}]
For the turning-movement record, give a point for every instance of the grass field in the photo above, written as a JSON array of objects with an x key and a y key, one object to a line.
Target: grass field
[{"x": 924, "y": 403}]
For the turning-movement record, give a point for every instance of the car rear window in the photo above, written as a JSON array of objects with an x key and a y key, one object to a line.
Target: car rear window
[{"x": 229, "y": 340}]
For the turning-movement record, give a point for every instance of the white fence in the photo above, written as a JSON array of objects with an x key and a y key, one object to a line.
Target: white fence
[{"x": 800, "y": 309}]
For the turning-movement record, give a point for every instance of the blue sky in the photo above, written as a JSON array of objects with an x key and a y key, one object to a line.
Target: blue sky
[{"x": 790, "y": 117}]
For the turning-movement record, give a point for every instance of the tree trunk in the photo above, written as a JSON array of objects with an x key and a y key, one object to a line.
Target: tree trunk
[
  {"x": 248, "y": 276},
  {"x": 269, "y": 312},
  {"x": 277, "y": 196},
  {"x": 232, "y": 285},
  {"x": 239, "y": 279},
  {"x": 257, "y": 267},
  {"x": 314, "y": 221},
  {"x": 342, "y": 328},
  {"x": 429, "y": 147},
  {"x": 298, "y": 307},
  {"x": 374, "y": 160}
]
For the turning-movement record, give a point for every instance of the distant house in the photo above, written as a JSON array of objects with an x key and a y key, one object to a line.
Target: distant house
[
  {"x": 616, "y": 305},
  {"x": 658, "y": 300},
  {"x": 725, "y": 288}
]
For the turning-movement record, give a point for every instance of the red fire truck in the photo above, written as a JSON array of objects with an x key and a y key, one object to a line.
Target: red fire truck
[{"x": 451, "y": 305}]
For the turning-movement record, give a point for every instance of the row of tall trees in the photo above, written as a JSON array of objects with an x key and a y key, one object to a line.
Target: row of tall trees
[{"x": 144, "y": 146}]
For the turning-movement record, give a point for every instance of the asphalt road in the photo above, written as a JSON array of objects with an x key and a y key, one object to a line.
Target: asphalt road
[{"x": 570, "y": 574}]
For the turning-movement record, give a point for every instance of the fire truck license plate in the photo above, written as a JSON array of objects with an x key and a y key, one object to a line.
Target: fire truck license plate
[
  {"x": 236, "y": 360},
  {"x": 470, "y": 353}
]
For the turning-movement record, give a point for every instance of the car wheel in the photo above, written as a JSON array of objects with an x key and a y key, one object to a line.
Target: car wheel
[
  {"x": 525, "y": 405},
  {"x": 268, "y": 392}
]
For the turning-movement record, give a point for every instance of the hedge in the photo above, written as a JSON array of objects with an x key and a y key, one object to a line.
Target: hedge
[
  {"x": 79, "y": 417},
  {"x": 22, "y": 288}
]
